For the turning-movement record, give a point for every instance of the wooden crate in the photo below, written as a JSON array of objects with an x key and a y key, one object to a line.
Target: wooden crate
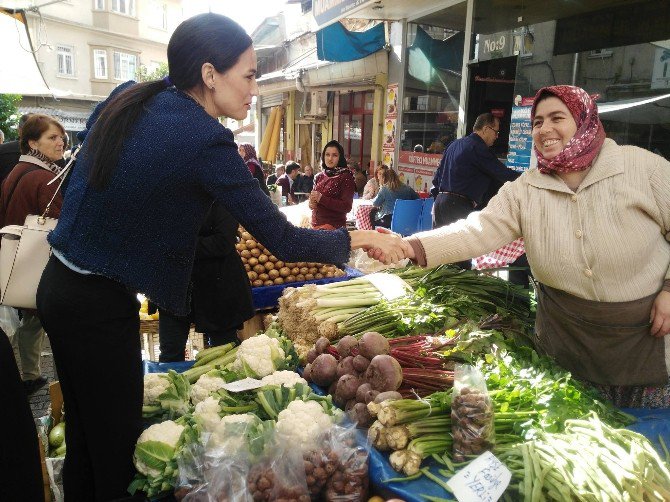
[{"x": 151, "y": 344}]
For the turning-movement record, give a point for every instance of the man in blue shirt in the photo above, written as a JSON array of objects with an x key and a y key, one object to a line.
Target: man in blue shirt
[{"x": 467, "y": 170}]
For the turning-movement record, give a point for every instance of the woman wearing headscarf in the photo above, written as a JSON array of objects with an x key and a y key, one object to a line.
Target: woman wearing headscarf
[
  {"x": 248, "y": 153},
  {"x": 333, "y": 194},
  {"x": 595, "y": 217}
]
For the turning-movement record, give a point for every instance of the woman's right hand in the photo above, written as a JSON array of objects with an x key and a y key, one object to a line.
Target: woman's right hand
[{"x": 384, "y": 246}]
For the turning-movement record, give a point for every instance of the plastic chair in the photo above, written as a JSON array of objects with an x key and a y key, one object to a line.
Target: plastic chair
[
  {"x": 427, "y": 214},
  {"x": 406, "y": 216}
]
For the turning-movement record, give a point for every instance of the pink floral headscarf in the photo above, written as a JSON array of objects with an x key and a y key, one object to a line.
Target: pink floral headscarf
[
  {"x": 584, "y": 146},
  {"x": 250, "y": 155}
]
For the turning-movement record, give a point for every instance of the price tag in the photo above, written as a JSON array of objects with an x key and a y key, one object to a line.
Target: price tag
[
  {"x": 389, "y": 285},
  {"x": 242, "y": 385},
  {"x": 483, "y": 480}
]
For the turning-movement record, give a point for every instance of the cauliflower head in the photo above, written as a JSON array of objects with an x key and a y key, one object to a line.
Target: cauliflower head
[
  {"x": 302, "y": 423},
  {"x": 155, "y": 384},
  {"x": 230, "y": 433},
  {"x": 207, "y": 414},
  {"x": 283, "y": 377},
  {"x": 167, "y": 434},
  {"x": 258, "y": 356},
  {"x": 206, "y": 385}
]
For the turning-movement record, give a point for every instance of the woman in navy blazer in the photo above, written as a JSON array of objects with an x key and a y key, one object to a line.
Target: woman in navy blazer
[{"x": 154, "y": 161}]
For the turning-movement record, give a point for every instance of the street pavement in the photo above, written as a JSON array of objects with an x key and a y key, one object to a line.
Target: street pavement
[{"x": 39, "y": 401}]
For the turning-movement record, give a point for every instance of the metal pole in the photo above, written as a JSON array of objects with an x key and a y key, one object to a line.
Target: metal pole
[
  {"x": 465, "y": 73},
  {"x": 575, "y": 66}
]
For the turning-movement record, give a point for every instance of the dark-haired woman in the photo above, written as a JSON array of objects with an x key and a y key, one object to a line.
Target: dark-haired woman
[
  {"x": 248, "y": 153},
  {"x": 392, "y": 189},
  {"x": 154, "y": 161},
  {"x": 333, "y": 193}
]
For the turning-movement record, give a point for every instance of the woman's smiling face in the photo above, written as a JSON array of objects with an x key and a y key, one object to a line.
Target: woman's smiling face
[{"x": 553, "y": 127}]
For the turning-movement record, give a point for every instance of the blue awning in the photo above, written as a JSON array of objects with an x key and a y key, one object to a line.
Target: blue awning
[
  {"x": 428, "y": 57},
  {"x": 336, "y": 43}
]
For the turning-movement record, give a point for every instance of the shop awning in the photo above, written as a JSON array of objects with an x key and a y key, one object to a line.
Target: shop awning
[
  {"x": 19, "y": 73},
  {"x": 430, "y": 59},
  {"x": 336, "y": 43},
  {"x": 71, "y": 120}
]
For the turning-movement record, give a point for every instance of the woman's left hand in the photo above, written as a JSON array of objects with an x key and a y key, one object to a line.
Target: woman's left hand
[
  {"x": 660, "y": 315},
  {"x": 314, "y": 196}
]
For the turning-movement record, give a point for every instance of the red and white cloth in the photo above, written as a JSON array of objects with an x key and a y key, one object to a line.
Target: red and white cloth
[
  {"x": 500, "y": 257},
  {"x": 362, "y": 215}
]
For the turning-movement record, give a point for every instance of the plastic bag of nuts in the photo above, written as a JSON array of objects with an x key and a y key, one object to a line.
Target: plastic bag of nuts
[
  {"x": 472, "y": 421},
  {"x": 279, "y": 476}
]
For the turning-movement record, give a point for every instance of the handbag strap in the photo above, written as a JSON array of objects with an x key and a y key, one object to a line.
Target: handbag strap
[{"x": 62, "y": 176}]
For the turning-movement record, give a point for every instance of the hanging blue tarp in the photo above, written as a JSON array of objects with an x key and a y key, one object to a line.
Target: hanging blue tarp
[
  {"x": 428, "y": 58},
  {"x": 335, "y": 43}
]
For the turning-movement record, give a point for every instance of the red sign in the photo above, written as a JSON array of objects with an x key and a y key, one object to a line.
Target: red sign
[
  {"x": 406, "y": 169},
  {"x": 416, "y": 159},
  {"x": 498, "y": 112}
]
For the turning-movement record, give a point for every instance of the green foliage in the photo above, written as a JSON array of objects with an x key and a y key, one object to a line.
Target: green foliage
[
  {"x": 143, "y": 74},
  {"x": 9, "y": 115}
]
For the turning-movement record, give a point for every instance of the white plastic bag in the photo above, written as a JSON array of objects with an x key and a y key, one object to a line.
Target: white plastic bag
[{"x": 9, "y": 320}]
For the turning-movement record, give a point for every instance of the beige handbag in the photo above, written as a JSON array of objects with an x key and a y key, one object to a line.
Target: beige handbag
[{"x": 24, "y": 252}]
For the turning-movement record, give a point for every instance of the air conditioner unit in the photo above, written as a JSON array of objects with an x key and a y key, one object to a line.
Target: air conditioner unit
[{"x": 317, "y": 105}]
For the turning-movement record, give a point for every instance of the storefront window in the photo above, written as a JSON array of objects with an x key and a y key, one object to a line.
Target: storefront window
[{"x": 355, "y": 126}]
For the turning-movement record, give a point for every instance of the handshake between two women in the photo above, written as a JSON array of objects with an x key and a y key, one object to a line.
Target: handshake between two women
[{"x": 382, "y": 245}]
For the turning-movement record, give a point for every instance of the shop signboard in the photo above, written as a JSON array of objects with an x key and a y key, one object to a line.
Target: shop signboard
[
  {"x": 520, "y": 139},
  {"x": 329, "y": 11},
  {"x": 392, "y": 101},
  {"x": 496, "y": 45},
  {"x": 419, "y": 169}
]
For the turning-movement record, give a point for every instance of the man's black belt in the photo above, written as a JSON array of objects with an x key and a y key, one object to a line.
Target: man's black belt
[{"x": 470, "y": 201}]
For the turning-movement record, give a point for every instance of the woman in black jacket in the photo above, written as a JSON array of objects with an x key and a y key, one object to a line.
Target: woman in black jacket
[{"x": 217, "y": 309}]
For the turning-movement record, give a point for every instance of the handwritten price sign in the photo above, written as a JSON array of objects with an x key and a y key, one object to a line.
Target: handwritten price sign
[{"x": 483, "y": 480}]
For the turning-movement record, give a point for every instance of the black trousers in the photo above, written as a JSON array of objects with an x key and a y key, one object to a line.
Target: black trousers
[
  {"x": 20, "y": 469},
  {"x": 93, "y": 325},
  {"x": 173, "y": 334},
  {"x": 449, "y": 208}
]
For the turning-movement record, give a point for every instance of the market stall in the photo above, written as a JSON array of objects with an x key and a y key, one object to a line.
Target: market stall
[{"x": 435, "y": 369}]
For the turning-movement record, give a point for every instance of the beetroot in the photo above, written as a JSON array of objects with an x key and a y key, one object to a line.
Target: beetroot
[
  {"x": 384, "y": 373},
  {"x": 307, "y": 373},
  {"x": 350, "y": 404},
  {"x": 373, "y": 344},
  {"x": 359, "y": 413},
  {"x": 324, "y": 370},
  {"x": 345, "y": 366},
  {"x": 332, "y": 388},
  {"x": 322, "y": 345},
  {"x": 386, "y": 396},
  {"x": 370, "y": 396},
  {"x": 311, "y": 355},
  {"x": 361, "y": 363},
  {"x": 347, "y": 386},
  {"x": 345, "y": 345},
  {"x": 362, "y": 390}
]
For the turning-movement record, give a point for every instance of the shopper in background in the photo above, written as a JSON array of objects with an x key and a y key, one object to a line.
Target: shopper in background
[
  {"x": 11, "y": 151},
  {"x": 287, "y": 181},
  {"x": 248, "y": 153},
  {"x": 25, "y": 191},
  {"x": 305, "y": 182},
  {"x": 595, "y": 217},
  {"x": 392, "y": 189},
  {"x": 360, "y": 179},
  {"x": 217, "y": 310},
  {"x": 372, "y": 186},
  {"x": 279, "y": 171},
  {"x": 129, "y": 224},
  {"x": 333, "y": 195}
]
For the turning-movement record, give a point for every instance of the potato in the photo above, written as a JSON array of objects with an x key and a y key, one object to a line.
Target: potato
[
  {"x": 273, "y": 273},
  {"x": 267, "y": 252},
  {"x": 252, "y": 261},
  {"x": 309, "y": 277},
  {"x": 329, "y": 274},
  {"x": 260, "y": 246},
  {"x": 318, "y": 276},
  {"x": 251, "y": 244},
  {"x": 268, "y": 283},
  {"x": 284, "y": 271},
  {"x": 290, "y": 278},
  {"x": 247, "y": 267},
  {"x": 255, "y": 252},
  {"x": 263, "y": 277},
  {"x": 252, "y": 276},
  {"x": 313, "y": 270},
  {"x": 262, "y": 259},
  {"x": 269, "y": 265},
  {"x": 246, "y": 236},
  {"x": 259, "y": 269},
  {"x": 278, "y": 263},
  {"x": 301, "y": 264},
  {"x": 240, "y": 247},
  {"x": 279, "y": 280},
  {"x": 323, "y": 269},
  {"x": 244, "y": 260},
  {"x": 257, "y": 283},
  {"x": 304, "y": 270},
  {"x": 274, "y": 259},
  {"x": 245, "y": 253},
  {"x": 295, "y": 271},
  {"x": 299, "y": 277}
]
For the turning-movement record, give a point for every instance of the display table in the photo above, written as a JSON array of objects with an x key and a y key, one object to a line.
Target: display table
[{"x": 651, "y": 424}]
